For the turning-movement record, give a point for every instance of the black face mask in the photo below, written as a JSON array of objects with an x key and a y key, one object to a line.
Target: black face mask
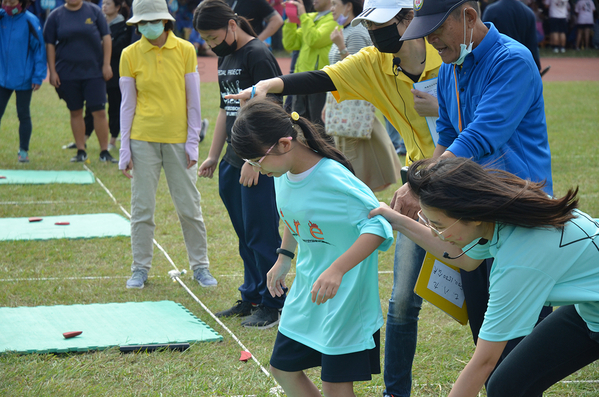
[
  {"x": 386, "y": 39},
  {"x": 224, "y": 48}
]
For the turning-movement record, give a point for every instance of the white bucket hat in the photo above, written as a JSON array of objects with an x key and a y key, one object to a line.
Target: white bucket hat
[
  {"x": 149, "y": 10},
  {"x": 381, "y": 11}
]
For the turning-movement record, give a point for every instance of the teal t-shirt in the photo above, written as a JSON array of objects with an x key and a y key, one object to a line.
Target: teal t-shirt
[
  {"x": 326, "y": 212},
  {"x": 536, "y": 267}
]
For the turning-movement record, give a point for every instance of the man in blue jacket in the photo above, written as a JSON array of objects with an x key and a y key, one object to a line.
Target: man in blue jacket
[{"x": 22, "y": 64}]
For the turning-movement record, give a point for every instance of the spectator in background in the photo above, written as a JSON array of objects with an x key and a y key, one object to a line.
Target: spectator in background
[
  {"x": 277, "y": 37},
  {"x": 514, "y": 19},
  {"x": 80, "y": 68},
  {"x": 584, "y": 23},
  {"x": 183, "y": 14},
  {"x": 312, "y": 37},
  {"x": 558, "y": 23},
  {"x": 202, "y": 50},
  {"x": 22, "y": 64},
  {"x": 374, "y": 160},
  {"x": 116, "y": 12},
  {"x": 264, "y": 19}
]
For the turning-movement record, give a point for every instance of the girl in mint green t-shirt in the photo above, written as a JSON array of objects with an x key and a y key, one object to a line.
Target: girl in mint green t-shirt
[
  {"x": 546, "y": 252},
  {"x": 332, "y": 314}
]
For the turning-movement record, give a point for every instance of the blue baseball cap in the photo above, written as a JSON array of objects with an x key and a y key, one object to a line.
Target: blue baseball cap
[{"x": 429, "y": 15}]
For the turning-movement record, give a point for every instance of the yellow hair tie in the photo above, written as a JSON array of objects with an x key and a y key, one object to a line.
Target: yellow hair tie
[{"x": 295, "y": 116}]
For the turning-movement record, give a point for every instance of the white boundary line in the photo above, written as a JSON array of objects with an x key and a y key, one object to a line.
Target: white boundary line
[
  {"x": 45, "y": 202},
  {"x": 185, "y": 286},
  {"x": 6, "y": 280}
]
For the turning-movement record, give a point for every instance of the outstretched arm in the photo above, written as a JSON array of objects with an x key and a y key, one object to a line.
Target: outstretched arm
[
  {"x": 303, "y": 83},
  {"x": 476, "y": 372},
  {"x": 422, "y": 236}
]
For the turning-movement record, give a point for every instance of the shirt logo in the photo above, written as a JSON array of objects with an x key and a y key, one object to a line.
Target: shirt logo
[
  {"x": 88, "y": 21},
  {"x": 418, "y": 4},
  {"x": 315, "y": 232}
]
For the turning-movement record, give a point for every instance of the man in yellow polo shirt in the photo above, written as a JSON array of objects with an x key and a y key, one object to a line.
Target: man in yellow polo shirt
[{"x": 384, "y": 75}]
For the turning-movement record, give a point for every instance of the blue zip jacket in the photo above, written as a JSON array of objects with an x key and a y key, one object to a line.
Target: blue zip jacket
[
  {"x": 501, "y": 109},
  {"x": 22, "y": 51}
]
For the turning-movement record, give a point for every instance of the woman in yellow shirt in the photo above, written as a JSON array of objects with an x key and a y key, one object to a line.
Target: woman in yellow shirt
[{"x": 160, "y": 124}]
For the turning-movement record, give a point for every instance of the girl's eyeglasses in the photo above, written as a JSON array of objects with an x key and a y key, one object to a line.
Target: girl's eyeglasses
[
  {"x": 257, "y": 163},
  {"x": 427, "y": 223}
]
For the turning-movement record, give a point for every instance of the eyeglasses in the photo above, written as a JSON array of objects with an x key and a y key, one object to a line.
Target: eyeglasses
[
  {"x": 257, "y": 163},
  {"x": 434, "y": 229}
]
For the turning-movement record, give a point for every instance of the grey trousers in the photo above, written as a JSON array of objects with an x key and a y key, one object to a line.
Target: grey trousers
[{"x": 148, "y": 159}]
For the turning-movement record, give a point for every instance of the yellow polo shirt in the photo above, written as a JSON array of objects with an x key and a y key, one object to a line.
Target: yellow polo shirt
[
  {"x": 368, "y": 75},
  {"x": 159, "y": 73}
]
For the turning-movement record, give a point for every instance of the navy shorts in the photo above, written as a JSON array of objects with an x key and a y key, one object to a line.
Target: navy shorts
[
  {"x": 558, "y": 25},
  {"x": 90, "y": 91},
  {"x": 291, "y": 356}
]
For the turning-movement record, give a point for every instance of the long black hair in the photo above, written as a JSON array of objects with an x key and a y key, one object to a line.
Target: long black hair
[
  {"x": 262, "y": 122},
  {"x": 465, "y": 190},
  {"x": 216, "y": 14}
]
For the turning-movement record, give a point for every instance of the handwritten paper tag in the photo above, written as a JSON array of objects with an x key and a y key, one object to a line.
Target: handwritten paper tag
[{"x": 447, "y": 283}]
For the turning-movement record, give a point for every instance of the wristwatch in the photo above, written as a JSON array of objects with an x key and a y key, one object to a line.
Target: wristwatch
[
  {"x": 281, "y": 251},
  {"x": 344, "y": 51}
]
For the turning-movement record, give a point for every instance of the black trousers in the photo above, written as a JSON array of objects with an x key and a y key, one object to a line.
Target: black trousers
[
  {"x": 476, "y": 293},
  {"x": 557, "y": 347},
  {"x": 114, "y": 113}
]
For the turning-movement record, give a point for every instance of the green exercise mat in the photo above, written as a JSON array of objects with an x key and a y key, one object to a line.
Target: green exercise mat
[
  {"x": 80, "y": 226},
  {"x": 34, "y": 177},
  {"x": 39, "y": 329}
]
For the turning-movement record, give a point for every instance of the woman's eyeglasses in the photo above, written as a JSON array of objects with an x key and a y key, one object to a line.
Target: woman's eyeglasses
[{"x": 427, "y": 223}]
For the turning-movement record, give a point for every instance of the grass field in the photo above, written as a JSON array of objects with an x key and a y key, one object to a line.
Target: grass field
[{"x": 209, "y": 369}]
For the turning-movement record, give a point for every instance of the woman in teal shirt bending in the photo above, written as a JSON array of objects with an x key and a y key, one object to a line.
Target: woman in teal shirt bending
[{"x": 546, "y": 253}]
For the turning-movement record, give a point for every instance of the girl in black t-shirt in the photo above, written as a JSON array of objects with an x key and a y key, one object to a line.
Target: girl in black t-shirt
[{"x": 248, "y": 196}]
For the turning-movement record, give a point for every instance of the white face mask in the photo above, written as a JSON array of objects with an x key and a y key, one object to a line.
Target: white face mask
[{"x": 464, "y": 50}]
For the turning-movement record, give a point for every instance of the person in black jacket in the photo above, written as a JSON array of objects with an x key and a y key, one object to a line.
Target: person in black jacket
[{"x": 515, "y": 19}]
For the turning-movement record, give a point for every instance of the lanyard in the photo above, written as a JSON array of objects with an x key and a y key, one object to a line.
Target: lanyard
[{"x": 455, "y": 77}]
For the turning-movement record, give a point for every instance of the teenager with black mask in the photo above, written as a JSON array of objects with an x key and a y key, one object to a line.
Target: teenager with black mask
[
  {"x": 383, "y": 75},
  {"x": 248, "y": 196}
]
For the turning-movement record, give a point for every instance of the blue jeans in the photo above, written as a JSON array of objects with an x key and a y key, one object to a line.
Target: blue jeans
[
  {"x": 254, "y": 216},
  {"x": 402, "y": 318},
  {"x": 23, "y": 104}
]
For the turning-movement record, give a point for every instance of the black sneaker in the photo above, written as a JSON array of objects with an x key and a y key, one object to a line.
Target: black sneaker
[
  {"x": 106, "y": 157},
  {"x": 264, "y": 317},
  {"x": 72, "y": 145},
  {"x": 239, "y": 309},
  {"x": 80, "y": 157},
  {"x": 204, "y": 129}
]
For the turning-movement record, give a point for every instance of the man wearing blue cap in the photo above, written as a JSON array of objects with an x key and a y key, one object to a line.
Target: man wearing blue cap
[{"x": 491, "y": 109}]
